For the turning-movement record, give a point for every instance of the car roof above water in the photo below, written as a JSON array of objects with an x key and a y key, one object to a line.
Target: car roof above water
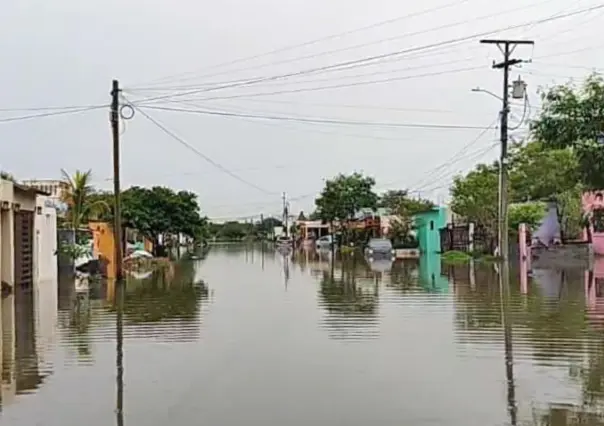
[{"x": 380, "y": 242}]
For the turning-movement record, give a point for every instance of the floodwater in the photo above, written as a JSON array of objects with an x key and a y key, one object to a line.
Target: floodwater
[{"x": 249, "y": 337}]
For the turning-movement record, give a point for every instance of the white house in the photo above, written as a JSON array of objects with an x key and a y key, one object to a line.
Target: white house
[{"x": 28, "y": 230}]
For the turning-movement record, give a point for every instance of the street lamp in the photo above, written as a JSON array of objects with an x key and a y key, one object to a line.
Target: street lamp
[{"x": 479, "y": 89}]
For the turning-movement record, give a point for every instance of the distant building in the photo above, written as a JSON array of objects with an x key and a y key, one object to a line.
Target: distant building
[{"x": 56, "y": 189}]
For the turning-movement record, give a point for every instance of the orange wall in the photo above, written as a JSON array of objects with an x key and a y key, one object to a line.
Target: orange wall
[
  {"x": 148, "y": 245},
  {"x": 104, "y": 245}
]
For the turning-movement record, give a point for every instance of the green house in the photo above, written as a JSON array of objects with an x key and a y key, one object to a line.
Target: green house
[{"x": 427, "y": 229}]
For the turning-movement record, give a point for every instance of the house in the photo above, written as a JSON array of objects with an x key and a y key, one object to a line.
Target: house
[
  {"x": 103, "y": 244},
  {"x": 56, "y": 190},
  {"x": 427, "y": 229},
  {"x": 312, "y": 229},
  {"x": 27, "y": 236}
]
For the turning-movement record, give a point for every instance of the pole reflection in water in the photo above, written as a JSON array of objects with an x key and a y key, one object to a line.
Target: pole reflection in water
[
  {"x": 504, "y": 292},
  {"x": 262, "y": 248},
  {"x": 119, "y": 300},
  {"x": 286, "y": 269}
]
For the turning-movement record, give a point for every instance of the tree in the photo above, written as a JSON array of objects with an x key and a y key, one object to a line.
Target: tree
[
  {"x": 401, "y": 204},
  {"x": 232, "y": 231},
  {"x": 79, "y": 197},
  {"x": 539, "y": 173},
  {"x": 573, "y": 117},
  {"x": 345, "y": 195},
  {"x": 475, "y": 195},
  {"x": 301, "y": 216},
  {"x": 529, "y": 213},
  {"x": 159, "y": 211}
]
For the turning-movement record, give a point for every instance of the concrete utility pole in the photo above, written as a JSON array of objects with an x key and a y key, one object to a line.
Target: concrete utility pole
[
  {"x": 117, "y": 210},
  {"x": 507, "y": 48}
]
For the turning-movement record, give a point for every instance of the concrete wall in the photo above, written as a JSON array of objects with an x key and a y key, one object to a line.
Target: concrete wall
[
  {"x": 7, "y": 246},
  {"x": 428, "y": 225},
  {"x": 45, "y": 242},
  {"x": 103, "y": 245},
  {"x": 11, "y": 195}
]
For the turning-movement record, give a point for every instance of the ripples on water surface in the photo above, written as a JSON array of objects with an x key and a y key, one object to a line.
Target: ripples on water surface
[{"x": 249, "y": 337}]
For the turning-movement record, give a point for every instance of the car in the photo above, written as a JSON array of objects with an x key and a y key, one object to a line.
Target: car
[
  {"x": 324, "y": 243},
  {"x": 379, "y": 248}
]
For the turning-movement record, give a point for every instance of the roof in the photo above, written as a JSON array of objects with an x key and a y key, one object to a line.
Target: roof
[{"x": 31, "y": 189}]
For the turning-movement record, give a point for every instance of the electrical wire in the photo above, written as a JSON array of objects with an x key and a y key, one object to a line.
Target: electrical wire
[
  {"x": 390, "y": 39},
  {"x": 318, "y": 120},
  {"x": 199, "y": 153},
  {"x": 475, "y": 157},
  {"x": 51, "y": 114},
  {"x": 321, "y": 39},
  {"x": 435, "y": 173},
  {"x": 370, "y": 60},
  {"x": 287, "y": 126},
  {"x": 52, "y": 108},
  {"x": 342, "y": 85}
]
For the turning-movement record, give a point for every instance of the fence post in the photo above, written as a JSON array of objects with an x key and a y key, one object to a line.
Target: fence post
[{"x": 471, "y": 237}]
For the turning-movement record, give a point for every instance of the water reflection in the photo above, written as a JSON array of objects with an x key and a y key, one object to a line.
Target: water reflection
[
  {"x": 119, "y": 349},
  {"x": 350, "y": 299},
  {"x": 152, "y": 352}
]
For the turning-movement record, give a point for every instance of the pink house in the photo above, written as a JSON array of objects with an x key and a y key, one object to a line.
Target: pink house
[{"x": 593, "y": 208}]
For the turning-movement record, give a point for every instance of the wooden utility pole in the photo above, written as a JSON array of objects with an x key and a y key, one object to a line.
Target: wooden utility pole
[
  {"x": 507, "y": 48},
  {"x": 117, "y": 210},
  {"x": 285, "y": 215}
]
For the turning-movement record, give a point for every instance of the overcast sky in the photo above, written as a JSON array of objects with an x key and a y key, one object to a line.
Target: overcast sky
[{"x": 66, "y": 52}]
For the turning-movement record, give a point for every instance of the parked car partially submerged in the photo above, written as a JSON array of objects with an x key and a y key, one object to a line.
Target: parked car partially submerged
[
  {"x": 379, "y": 248},
  {"x": 324, "y": 243}
]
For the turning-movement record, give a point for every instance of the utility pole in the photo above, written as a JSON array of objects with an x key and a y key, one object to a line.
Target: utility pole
[
  {"x": 117, "y": 210},
  {"x": 507, "y": 48},
  {"x": 285, "y": 214}
]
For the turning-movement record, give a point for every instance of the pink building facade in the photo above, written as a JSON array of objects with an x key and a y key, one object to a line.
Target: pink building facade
[{"x": 593, "y": 208}]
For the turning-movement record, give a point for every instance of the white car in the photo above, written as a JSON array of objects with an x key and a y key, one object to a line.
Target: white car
[
  {"x": 324, "y": 243},
  {"x": 379, "y": 248}
]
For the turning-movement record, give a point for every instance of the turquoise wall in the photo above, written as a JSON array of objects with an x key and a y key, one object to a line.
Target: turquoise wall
[{"x": 427, "y": 229}]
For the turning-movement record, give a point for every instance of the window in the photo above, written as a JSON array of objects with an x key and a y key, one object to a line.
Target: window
[{"x": 431, "y": 225}]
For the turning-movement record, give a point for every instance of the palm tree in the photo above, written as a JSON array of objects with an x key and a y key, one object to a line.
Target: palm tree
[{"x": 78, "y": 197}]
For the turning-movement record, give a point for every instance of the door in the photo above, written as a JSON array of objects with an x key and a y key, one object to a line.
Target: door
[{"x": 24, "y": 254}]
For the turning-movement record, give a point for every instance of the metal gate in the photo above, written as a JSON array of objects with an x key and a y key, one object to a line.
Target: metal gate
[{"x": 24, "y": 249}]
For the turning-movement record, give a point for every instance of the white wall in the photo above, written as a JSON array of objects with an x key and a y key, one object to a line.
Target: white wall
[{"x": 45, "y": 243}]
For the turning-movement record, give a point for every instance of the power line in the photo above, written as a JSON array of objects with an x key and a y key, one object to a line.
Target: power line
[
  {"x": 475, "y": 156},
  {"x": 400, "y": 36},
  {"x": 318, "y": 40},
  {"x": 200, "y": 154},
  {"x": 51, "y": 114},
  {"x": 455, "y": 158},
  {"x": 372, "y": 59},
  {"x": 350, "y": 106},
  {"x": 389, "y": 71},
  {"x": 318, "y": 120},
  {"x": 52, "y": 108},
  {"x": 340, "y": 86}
]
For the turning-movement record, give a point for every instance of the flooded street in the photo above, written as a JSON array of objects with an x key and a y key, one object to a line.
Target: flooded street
[{"x": 249, "y": 337}]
